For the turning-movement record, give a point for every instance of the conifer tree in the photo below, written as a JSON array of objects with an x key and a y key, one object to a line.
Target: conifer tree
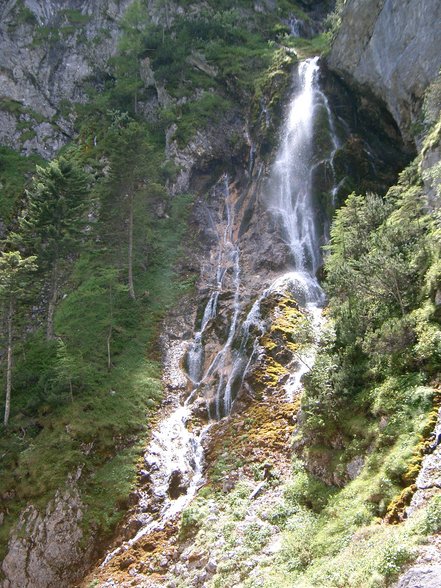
[
  {"x": 131, "y": 172},
  {"x": 15, "y": 272},
  {"x": 53, "y": 221}
]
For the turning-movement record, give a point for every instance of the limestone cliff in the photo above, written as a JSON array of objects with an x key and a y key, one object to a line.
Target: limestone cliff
[
  {"x": 48, "y": 48},
  {"x": 389, "y": 47}
]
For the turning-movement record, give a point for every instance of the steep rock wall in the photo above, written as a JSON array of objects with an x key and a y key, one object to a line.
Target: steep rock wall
[
  {"x": 48, "y": 48},
  {"x": 44, "y": 549},
  {"x": 389, "y": 47}
]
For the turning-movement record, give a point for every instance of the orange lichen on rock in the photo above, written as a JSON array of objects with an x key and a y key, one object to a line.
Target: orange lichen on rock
[
  {"x": 259, "y": 435},
  {"x": 148, "y": 557}
]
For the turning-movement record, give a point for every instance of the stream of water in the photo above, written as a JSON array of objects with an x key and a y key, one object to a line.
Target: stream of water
[{"x": 174, "y": 459}]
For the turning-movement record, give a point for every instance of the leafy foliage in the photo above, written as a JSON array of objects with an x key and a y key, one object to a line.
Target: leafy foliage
[
  {"x": 53, "y": 219},
  {"x": 385, "y": 323}
]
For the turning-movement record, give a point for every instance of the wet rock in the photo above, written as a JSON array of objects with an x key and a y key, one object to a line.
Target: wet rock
[
  {"x": 144, "y": 477},
  {"x": 213, "y": 144},
  {"x": 177, "y": 485},
  {"x": 131, "y": 528},
  {"x": 125, "y": 563},
  {"x": 199, "y": 409}
]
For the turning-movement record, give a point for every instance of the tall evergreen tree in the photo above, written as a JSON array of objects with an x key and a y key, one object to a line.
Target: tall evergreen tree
[
  {"x": 131, "y": 176},
  {"x": 53, "y": 221}
]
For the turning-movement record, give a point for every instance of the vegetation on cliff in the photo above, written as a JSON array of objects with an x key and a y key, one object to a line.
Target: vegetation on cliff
[{"x": 366, "y": 418}]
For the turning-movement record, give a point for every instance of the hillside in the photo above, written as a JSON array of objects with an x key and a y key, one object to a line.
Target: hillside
[{"x": 220, "y": 288}]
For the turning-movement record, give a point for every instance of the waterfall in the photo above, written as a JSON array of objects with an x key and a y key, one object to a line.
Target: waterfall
[
  {"x": 291, "y": 200},
  {"x": 290, "y": 187},
  {"x": 174, "y": 458},
  {"x": 228, "y": 259},
  {"x": 295, "y": 26}
]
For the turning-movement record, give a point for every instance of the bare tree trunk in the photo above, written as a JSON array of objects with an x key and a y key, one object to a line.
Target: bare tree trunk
[
  {"x": 130, "y": 251},
  {"x": 109, "y": 358},
  {"x": 398, "y": 297},
  {"x": 109, "y": 335},
  {"x": 52, "y": 303},
  {"x": 167, "y": 17},
  {"x": 9, "y": 364}
]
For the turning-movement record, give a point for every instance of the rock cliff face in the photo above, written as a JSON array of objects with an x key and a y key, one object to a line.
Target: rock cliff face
[
  {"x": 48, "y": 48},
  {"x": 44, "y": 549},
  {"x": 389, "y": 47}
]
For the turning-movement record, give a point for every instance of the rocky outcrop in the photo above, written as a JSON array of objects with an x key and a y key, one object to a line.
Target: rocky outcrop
[
  {"x": 389, "y": 47},
  {"x": 44, "y": 548},
  {"x": 217, "y": 143},
  {"x": 426, "y": 571},
  {"x": 48, "y": 49},
  {"x": 428, "y": 482},
  {"x": 421, "y": 577}
]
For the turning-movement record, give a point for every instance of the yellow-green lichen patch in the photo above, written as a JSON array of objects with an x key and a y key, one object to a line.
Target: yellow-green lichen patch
[
  {"x": 259, "y": 435},
  {"x": 289, "y": 330},
  {"x": 268, "y": 375}
]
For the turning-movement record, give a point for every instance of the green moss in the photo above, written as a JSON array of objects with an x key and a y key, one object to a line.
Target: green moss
[
  {"x": 76, "y": 17},
  {"x": 24, "y": 15},
  {"x": 206, "y": 110},
  {"x": 319, "y": 45}
]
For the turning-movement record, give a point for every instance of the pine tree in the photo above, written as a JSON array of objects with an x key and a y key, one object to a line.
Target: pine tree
[
  {"x": 53, "y": 222},
  {"x": 15, "y": 272},
  {"x": 131, "y": 173}
]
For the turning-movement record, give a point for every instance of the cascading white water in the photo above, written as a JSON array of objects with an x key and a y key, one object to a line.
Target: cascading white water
[
  {"x": 228, "y": 258},
  {"x": 295, "y": 26},
  {"x": 291, "y": 193},
  {"x": 291, "y": 199},
  {"x": 175, "y": 454}
]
